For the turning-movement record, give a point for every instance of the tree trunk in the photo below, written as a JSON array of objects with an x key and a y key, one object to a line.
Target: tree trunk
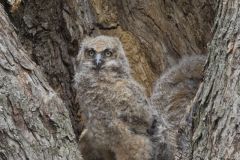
[
  {"x": 34, "y": 122},
  {"x": 217, "y": 106}
]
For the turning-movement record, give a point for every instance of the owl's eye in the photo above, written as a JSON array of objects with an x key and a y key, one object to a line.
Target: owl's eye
[
  {"x": 91, "y": 53},
  {"x": 108, "y": 53}
]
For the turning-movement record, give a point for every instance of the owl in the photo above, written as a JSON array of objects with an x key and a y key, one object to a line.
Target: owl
[
  {"x": 118, "y": 117},
  {"x": 172, "y": 96},
  {"x": 176, "y": 87}
]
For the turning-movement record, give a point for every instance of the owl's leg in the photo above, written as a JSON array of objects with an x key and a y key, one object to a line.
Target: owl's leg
[{"x": 134, "y": 147}]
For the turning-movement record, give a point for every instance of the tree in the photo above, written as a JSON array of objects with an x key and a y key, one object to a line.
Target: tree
[
  {"x": 37, "y": 108},
  {"x": 34, "y": 122},
  {"x": 217, "y": 106}
]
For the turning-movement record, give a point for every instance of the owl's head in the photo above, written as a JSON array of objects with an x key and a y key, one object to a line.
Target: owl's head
[{"x": 102, "y": 54}]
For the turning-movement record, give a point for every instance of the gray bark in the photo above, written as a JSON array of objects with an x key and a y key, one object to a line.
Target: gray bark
[
  {"x": 51, "y": 32},
  {"x": 34, "y": 122},
  {"x": 217, "y": 106}
]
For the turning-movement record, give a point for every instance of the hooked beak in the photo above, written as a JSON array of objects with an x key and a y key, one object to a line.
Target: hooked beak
[{"x": 98, "y": 61}]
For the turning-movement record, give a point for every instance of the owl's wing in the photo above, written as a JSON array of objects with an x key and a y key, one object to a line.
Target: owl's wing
[{"x": 139, "y": 113}]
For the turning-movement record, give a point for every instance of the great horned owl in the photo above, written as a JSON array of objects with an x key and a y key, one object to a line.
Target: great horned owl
[
  {"x": 118, "y": 114},
  {"x": 172, "y": 96},
  {"x": 176, "y": 88}
]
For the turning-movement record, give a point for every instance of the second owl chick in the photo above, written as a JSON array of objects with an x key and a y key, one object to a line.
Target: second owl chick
[
  {"x": 176, "y": 87},
  {"x": 117, "y": 113},
  {"x": 173, "y": 93}
]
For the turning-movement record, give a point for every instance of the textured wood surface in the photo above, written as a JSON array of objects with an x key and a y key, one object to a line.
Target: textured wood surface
[
  {"x": 217, "y": 106},
  {"x": 34, "y": 122}
]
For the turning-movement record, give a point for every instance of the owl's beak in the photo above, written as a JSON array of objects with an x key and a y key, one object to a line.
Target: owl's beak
[{"x": 98, "y": 61}]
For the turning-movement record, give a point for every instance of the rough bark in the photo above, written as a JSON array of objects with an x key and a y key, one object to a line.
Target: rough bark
[
  {"x": 217, "y": 106},
  {"x": 51, "y": 32},
  {"x": 34, "y": 122}
]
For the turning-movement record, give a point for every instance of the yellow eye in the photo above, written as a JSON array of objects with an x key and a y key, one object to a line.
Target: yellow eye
[
  {"x": 108, "y": 53},
  {"x": 91, "y": 53}
]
